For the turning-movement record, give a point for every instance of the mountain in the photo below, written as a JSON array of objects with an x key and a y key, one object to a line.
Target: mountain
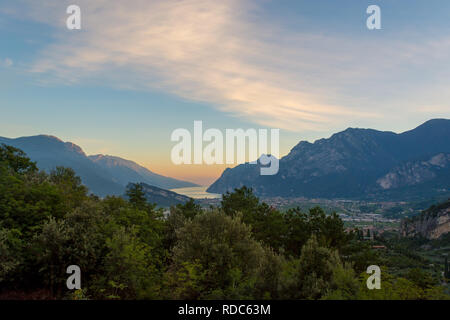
[
  {"x": 164, "y": 198},
  {"x": 49, "y": 152},
  {"x": 416, "y": 172},
  {"x": 103, "y": 175},
  {"x": 125, "y": 171},
  {"x": 356, "y": 164},
  {"x": 431, "y": 223}
]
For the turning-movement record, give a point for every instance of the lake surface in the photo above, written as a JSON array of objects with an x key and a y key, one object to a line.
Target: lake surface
[{"x": 197, "y": 193}]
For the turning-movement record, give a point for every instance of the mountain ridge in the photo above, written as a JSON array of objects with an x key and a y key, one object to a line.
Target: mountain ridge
[
  {"x": 162, "y": 197},
  {"x": 345, "y": 165},
  {"x": 49, "y": 152},
  {"x": 126, "y": 171}
]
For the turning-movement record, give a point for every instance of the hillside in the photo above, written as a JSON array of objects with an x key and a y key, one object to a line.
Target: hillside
[
  {"x": 125, "y": 171},
  {"x": 357, "y": 164},
  {"x": 103, "y": 175},
  {"x": 431, "y": 223},
  {"x": 163, "y": 198}
]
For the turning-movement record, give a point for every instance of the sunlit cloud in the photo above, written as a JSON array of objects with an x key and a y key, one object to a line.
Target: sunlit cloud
[{"x": 218, "y": 52}]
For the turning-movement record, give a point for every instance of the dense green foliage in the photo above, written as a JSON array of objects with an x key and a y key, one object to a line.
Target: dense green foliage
[{"x": 128, "y": 249}]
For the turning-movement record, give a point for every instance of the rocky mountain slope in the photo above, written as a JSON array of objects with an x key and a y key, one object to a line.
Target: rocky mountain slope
[
  {"x": 356, "y": 163},
  {"x": 431, "y": 224}
]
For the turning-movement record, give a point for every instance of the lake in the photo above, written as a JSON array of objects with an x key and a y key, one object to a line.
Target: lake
[{"x": 197, "y": 193}]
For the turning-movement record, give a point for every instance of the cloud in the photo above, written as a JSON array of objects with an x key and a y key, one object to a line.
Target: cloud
[{"x": 219, "y": 53}]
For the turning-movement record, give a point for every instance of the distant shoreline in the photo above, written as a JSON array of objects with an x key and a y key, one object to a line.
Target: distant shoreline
[{"x": 197, "y": 192}]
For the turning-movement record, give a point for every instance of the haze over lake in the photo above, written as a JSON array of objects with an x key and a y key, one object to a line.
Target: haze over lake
[{"x": 197, "y": 192}]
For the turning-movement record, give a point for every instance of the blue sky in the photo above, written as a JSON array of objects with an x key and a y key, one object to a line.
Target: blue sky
[{"x": 140, "y": 69}]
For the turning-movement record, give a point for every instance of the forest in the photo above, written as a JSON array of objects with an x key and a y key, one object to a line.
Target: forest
[{"x": 127, "y": 248}]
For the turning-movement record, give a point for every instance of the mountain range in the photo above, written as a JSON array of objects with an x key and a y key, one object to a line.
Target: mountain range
[
  {"x": 356, "y": 164},
  {"x": 102, "y": 174},
  {"x": 163, "y": 198}
]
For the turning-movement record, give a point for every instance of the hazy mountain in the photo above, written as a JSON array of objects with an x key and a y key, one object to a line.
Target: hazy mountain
[
  {"x": 164, "y": 198},
  {"x": 50, "y": 152},
  {"x": 356, "y": 163},
  {"x": 103, "y": 175},
  {"x": 124, "y": 171}
]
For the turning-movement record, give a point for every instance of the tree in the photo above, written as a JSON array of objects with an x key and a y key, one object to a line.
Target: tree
[
  {"x": 77, "y": 239},
  {"x": 446, "y": 268},
  {"x": 184, "y": 281},
  {"x": 297, "y": 233},
  {"x": 16, "y": 159},
  {"x": 327, "y": 229},
  {"x": 270, "y": 275},
  {"x": 392, "y": 288},
  {"x": 144, "y": 217},
  {"x": 27, "y": 200},
  {"x": 420, "y": 278},
  {"x": 267, "y": 223},
  {"x": 136, "y": 195},
  {"x": 344, "y": 284},
  {"x": 316, "y": 267},
  {"x": 10, "y": 246},
  {"x": 241, "y": 200},
  {"x": 129, "y": 271},
  {"x": 175, "y": 220},
  {"x": 224, "y": 252},
  {"x": 70, "y": 187},
  {"x": 360, "y": 254},
  {"x": 189, "y": 209}
]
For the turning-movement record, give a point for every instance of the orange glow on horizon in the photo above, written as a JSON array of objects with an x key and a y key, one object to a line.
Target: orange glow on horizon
[{"x": 201, "y": 174}]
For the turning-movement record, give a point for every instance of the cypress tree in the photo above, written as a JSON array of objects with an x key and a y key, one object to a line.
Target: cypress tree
[{"x": 446, "y": 268}]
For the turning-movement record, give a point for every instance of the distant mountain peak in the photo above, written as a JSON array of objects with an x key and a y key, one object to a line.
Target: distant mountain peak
[
  {"x": 75, "y": 148},
  {"x": 436, "y": 121},
  {"x": 433, "y": 125},
  {"x": 51, "y": 137}
]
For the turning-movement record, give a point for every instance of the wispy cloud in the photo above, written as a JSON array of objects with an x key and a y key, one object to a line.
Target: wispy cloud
[{"x": 219, "y": 52}]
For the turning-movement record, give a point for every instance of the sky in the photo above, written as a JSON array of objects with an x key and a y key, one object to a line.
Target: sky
[{"x": 139, "y": 69}]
